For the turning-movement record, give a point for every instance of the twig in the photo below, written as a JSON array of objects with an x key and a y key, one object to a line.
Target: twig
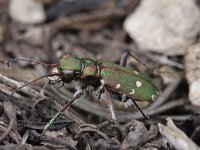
[
  {"x": 53, "y": 141},
  {"x": 176, "y": 137},
  {"x": 170, "y": 105},
  {"x": 164, "y": 60},
  {"x": 15, "y": 84},
  {"x": 13, "y": 134},
  {"x": 175, "y": 117},
  {"x": 82, "y": 131},
  {"x": 11, "y": 113},
  {"x": 174, "y": 103}
]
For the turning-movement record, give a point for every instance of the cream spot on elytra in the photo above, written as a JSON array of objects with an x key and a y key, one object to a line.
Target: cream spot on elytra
[
  {"x": 138, "y": 83},
  {"x": 136, "y": 72},
  {"x": 132, "y": 92},
  {"x": 153, "y": 97},
  {"x": 118, "y": 86}
]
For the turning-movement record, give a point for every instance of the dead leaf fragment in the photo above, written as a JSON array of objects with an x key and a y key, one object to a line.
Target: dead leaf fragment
[{"x": 176, "y": 137}]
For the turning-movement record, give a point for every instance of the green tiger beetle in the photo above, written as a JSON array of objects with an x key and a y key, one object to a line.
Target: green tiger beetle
[{"x": 104, "y": 77}]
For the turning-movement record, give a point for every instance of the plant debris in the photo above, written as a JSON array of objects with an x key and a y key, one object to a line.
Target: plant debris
[{"x": 92, "y": 29}]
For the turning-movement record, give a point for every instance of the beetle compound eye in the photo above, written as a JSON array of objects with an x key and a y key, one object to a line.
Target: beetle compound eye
[{"x": 54, "y": 74}]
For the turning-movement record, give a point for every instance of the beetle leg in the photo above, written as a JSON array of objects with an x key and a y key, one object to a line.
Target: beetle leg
[
  {"x": 99, "y": 92},
  {"x": 123, "y": 60},
  {"x": 140, "y": 110},
  {"x": 66, "y": 106},
  {"x": 129, "y": 101},
  {"x": 123, "y": 98},
  {"x": 108, "y": 100},
  {"x": 109, "y": 104},
  {"x": 124, "y": 57},
  {"x": 79, "y": 89}
]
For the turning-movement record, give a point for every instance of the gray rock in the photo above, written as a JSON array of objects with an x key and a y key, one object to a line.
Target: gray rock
[
  {"x": 27, "y": 11},
  {"x": 192, "y": 72},
  {"x": 166, "y": 26}
]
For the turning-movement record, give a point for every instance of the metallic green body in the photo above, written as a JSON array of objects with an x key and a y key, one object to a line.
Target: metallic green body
[
  {"x": 116, "y": 78},
  {"x": 126, "y": 81},
  {"x": 87, "y": 66},
  {"x": 102, "y": 75},
  {"x": 68, "y": 62},
  {"x": 90, "y": 67}
]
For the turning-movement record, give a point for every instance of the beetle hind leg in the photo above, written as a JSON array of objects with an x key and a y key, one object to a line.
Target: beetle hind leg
[
  {"x": 124, "y": 57},
  {"x": 140, "y": 110},
  {"x": 128, "y": 102}
]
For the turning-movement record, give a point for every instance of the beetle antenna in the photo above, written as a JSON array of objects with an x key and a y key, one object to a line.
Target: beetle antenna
[
  {"x": 34, "y": 80},
  {"x": 30, "y": 60}
]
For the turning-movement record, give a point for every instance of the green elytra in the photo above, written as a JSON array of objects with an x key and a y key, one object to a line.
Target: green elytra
[{"x": 116, "y": 78}]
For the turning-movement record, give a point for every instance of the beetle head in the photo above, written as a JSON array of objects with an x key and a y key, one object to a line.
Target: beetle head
[{"x": 70, "y": 67}]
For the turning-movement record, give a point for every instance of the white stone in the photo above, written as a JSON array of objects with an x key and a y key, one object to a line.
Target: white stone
[
  {"x": 194, "y": 94},
  {"x": 167, "y": 26},
  {"x": 192, "y": 72},
  {"x": 27, "y": 11}
]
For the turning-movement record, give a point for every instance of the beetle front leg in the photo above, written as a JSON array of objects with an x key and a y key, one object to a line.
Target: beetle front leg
[{"x": 66, "y": 106}]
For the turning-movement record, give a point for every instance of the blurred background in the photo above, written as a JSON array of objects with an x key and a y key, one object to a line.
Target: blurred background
[{"x": 164, "y": 35}]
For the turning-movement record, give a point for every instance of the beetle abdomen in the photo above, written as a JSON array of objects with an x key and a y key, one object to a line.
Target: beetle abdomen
[{"x": 126, "y": 81}]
